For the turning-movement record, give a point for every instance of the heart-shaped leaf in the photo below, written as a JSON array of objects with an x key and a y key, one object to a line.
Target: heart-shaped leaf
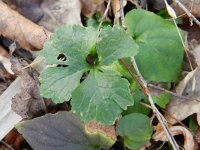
[
  {"x": 61, "y": 131},
  {"x": 136, "y": 130},
  {"x": 160, "y": 49}
]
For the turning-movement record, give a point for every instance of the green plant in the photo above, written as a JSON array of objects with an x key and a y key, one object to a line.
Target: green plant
[{"x": 84, "y": 69}]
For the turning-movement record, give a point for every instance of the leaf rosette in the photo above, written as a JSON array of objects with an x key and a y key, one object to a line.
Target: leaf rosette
[{"x": 77, "y": 58}]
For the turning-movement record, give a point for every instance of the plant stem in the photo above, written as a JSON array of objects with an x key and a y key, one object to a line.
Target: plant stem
[
  {"x": 143, "y": 83},
  {"x": 133, "y": 76}
]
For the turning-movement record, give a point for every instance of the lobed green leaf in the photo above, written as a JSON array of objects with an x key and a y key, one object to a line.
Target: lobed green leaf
[
  {"x": 102, "y": 96},
  {"x": 115, "y": 44},
  {"x": 69, "y": 45}
]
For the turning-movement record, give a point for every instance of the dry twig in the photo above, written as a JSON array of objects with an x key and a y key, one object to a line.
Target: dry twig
[
  {"x": 169, "y": 92},
  {"x": 189, "y": 14},
  {"x": 104, "y": 15},
  {"x": 159, "y": 116},
  {"x": 7, "y": 145}
]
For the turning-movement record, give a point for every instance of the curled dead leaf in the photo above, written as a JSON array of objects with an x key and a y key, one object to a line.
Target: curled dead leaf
[
  {"x": 181, "y": 108},
  {"x": 160, "y": 135}
]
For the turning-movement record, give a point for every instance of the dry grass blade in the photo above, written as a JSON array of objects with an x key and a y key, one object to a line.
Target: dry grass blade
[{"x": 8, "y": 118}]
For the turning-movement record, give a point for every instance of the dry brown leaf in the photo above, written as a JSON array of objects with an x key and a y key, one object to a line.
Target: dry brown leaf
[
  {"x": 116, "y": 9},
  {"x": 197, "y": 135},
  {"x": 196, "y": 54},
  {"x": 160, "y": 135},
  {"x": 5, "y": 79},
  {"x": 4, "y": 59},
  {"x": 60, "y": 12},
  {"x": 17, "y": 28},
  {"x": 181, "y": 108},
  {"x": 90, "y": 7},
  {"x": 198, "y": 119},
  {"x": 3, "y": 52},
  {"x": 28, "y": 8},
  {"x": 28, "y": 102},
  {"x": 14, "y": 138},
  {"x": 6, "y": 63},
  {"x": 116, "y": 6},
  {"x": 191, "y": 5}
]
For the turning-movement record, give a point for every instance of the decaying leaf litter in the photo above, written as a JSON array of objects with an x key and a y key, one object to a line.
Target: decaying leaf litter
[{"x": 31, "y": 37}]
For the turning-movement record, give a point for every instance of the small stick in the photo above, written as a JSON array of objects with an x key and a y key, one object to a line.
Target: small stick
[
  {"x": 160, "y": 117},
  {"x": 172, "y": 93},
  {"x": 169, "y": 92},
  {"x": 148, "y": 106},
  {"x": 122, "y": 14},
  {"x": 7, "y": 145},
  {"x": 104, "y": 15},
  {"x": 187, "y": 12}
]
